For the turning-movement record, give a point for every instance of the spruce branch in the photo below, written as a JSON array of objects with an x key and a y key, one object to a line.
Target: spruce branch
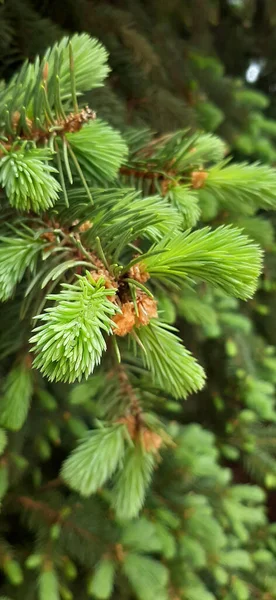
[
  {"x": 100, "y": 585},
  {"x": 27, "y": 178},
  {"x": 198, "y": 149},
  {"x": 16, "y": 396},
  {"x": 35, "y": 109},
  {"x": 186, "y": 202},
  {"x": 242, "y": 187},
  {"x": 224, "y": 257},
  {"x": 51, "y": 516},
  {"x": 128, "y": 391},
  {"x": 95, "y": 460},
  {"x": 17, "y": 254},
  {"x": 99, "y": 149},
  {"x": 172, "y": 366},
  {"x": 90, "y": 63},
  {"x": 129, "y": 491},
  {"x": 166, "y": 161},
  {"x": 48, "y": 584},
  {"x": 69, "y": 342},
  {"x": 147, "y": 576},
  {"x": 37, "y": 94},
  {"x": 125, "y": 215}
]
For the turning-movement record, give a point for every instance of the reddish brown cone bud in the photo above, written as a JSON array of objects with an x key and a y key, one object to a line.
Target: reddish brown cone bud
[
  {"x": 139, "y": 273},
  {"x": 151, "y": 440},
  {"x": 147, "y": 310},
  {"x": 126, "y": 320},
  {"x": 198, "y": 179}
]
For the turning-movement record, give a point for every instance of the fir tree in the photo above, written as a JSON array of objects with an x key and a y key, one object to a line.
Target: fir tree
[
  {"x": 89, "y": 257},
  {"x": 110, "y": 268}
]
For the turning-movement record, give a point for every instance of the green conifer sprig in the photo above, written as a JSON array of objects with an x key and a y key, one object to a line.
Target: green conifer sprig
[
  {"x": 35, "y": 107},
  {"x": 36, "y": 94},
  {"x": 118, "y": 214},
  {"x": 172, "y": 366},
  {"x": 69, "y": 342},
  {"x": 89, "y": 59},
  {"x": 95, "y": 459},
  {"x": 200, "y": 149},
  {"x": 28, "y": 180},
  {"x": 17, "y": 254},
  {"x": 103, "y": 453},
  {"x": 155, "y": 576},
  {"x": 224, "y": 257},
  {"x": 48, "y": 584},
  {"x": 16, "y": 396},
  {"x": 131, "y": 485},
  {"x": 100, "y": 585},
  {"x": 100, "y": 150},
  {"x": 178, "y": 151},
  {"x": 242, "y": 187},
  {"x": 186, "y": 201}
]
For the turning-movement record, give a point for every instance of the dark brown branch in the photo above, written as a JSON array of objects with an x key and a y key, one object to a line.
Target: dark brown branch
[
  {"x": 52, "y": 516},
  {"x": 142, "y": 174}
]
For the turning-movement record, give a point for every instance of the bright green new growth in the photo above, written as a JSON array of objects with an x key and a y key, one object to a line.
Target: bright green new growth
[
  {"x": 48, "y": 584},
  {"x": 101, "y": 583},
  {"x": 89, "y": 58},
  {"x": 39, "y": 99},
  {"x": 186, "y": 201},
  {"x": 27, "y": 93},
  {"x": 242, "y": 187},
  {"x": 131, "y": 485},
  {"x": 16, "y": 255},
  {"x": 172, "y": 366},
  {"x": 148, "y": 577},
  {"x": 224, "y": 257},
  {"x": 69, "y": 343},
  {"x": 95, "y": 459},
  {"x": 27, "y": 179},
  {"x": 16, "y": 397},
  {"x": 100, "y": 150}
]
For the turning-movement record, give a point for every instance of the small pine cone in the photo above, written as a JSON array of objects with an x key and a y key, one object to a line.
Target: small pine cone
[
  {"x": 49, "y": 236},
  {"x": 151, "y": 440},
  {"x": 139, "y": 273},
  {"x": 147, "y": 310},
  {"x": 85, "y": 226},
  {"x": 168, "y": 182},
  {"x": 198, "y": 179},
  {"x": 15, "y": 118},
  {"x": 124, "y": 321},
  {"x": 75, "y": 121}
]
